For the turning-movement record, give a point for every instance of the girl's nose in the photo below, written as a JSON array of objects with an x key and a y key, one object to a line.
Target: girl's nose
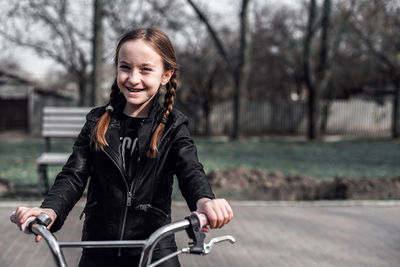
[{"x": 134, "y": 77}]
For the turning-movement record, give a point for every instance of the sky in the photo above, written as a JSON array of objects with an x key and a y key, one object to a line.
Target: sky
[{"x": 36, "y": 67}]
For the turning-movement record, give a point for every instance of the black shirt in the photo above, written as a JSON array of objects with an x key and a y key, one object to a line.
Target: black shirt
[{"x": 129, "y": 144}]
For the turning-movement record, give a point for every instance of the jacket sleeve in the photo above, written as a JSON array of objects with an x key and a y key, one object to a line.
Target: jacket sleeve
[
  {"x": 70, "y": 183},
  {"x": 192, "y": 180}
]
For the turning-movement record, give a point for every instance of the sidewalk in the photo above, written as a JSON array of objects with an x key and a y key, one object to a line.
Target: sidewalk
[{"x": 337, "y": 233}]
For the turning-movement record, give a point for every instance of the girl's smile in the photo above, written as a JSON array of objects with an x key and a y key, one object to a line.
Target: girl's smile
[{"x": 133, "y": 90}]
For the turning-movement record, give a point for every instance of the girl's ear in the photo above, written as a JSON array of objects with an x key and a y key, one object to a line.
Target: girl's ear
[{"x": 166, "y": 76}]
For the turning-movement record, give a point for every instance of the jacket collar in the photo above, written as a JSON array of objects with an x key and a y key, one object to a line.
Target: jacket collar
[
  {"x": 145, "y": 131},
  {"x": 154, "y": 113}
]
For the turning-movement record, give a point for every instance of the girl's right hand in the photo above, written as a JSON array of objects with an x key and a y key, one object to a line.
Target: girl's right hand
[{"x": 23, "y": 213}]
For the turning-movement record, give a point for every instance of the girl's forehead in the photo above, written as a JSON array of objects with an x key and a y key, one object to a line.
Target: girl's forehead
[{"x": 138, "y": 51}]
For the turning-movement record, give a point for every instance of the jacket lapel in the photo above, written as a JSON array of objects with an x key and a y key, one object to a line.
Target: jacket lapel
[
  {"x": 149, "y": 125},
  {"x": 113, "y": 148}
]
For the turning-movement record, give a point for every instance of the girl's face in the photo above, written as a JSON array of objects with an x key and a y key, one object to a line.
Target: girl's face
[{"x": 140, "y": 73}]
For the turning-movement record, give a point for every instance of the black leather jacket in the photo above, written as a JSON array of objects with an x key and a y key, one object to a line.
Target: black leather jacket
[{"x": 117, "y": 210}]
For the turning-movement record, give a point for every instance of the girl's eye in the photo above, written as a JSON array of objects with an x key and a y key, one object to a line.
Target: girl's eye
[
  {"x": 147, "y": 69},
  {"x": 124, "y": 67}
]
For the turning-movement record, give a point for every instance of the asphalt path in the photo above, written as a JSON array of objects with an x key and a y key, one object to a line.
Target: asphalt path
[{"x": 322, "y": 233}]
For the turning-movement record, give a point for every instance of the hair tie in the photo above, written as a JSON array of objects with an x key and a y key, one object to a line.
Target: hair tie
[
  {"x": 163, "y": 120},
  {"x": 110, "y": 108}
]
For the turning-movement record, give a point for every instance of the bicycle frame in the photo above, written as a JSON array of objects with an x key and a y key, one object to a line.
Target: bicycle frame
[{"x": 192, "y": 224}]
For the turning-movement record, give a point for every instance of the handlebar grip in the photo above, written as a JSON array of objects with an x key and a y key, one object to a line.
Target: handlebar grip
[
  {"x": 25, "y": 226},
  {"x": 42, "y": 219},
  {"x": 202, "y": 219}
]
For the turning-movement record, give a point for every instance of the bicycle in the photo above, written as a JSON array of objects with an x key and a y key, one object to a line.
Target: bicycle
[{"x": 191, "y": 224}]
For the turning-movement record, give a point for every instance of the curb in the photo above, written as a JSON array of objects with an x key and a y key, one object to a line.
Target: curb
[
  {"x": 246, "y": 203},
  {"x": 320, "y": 203}
]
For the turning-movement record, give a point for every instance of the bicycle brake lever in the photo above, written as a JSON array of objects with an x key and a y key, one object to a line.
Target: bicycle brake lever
[{"x": 208, "y": 247}]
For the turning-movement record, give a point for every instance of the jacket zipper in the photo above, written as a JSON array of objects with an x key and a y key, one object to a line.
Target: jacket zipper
[
  {"x": 128, "y": 204},
  {"x": 129, "y": 197},
  {"x": 130, "y": 194}
]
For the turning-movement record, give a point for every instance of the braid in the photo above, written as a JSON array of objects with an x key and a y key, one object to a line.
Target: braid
[
  {"x": 115, "y": 94},
  {"x": 99, "y": 132},
  {"x": 170, "y": 96},
  {"x": 169, "y": 100}
]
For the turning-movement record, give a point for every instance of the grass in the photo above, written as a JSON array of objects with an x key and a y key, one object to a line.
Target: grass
[
  {"x": 18, "y": 159},
  {"x": 352, "y": 157}
]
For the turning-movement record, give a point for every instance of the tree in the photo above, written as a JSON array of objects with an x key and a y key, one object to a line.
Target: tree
[
  {"x": 377, "y": 24},
  {"x": 61, "y": 38},
  {"x": 317, "y": 81},
  {"x": 240, "y": 71},
  {"x": 66, "y": 35},
  {"x": 203, "y": 81},
  {"x": 276, "y": 68},
  {"x": 97, "y": 49}
]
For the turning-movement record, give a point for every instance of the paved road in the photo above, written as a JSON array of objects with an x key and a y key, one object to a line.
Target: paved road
[{"x": 356, "y": 233}]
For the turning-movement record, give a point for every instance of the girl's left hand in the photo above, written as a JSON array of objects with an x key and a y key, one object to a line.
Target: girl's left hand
[{"x": 218, "y": 212}]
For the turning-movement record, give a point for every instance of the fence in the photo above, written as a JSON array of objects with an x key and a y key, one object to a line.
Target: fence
[{"x": 356, "y": 116}]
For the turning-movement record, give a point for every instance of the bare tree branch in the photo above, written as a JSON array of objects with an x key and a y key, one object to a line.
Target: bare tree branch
[{"x": 213, "y": 34}]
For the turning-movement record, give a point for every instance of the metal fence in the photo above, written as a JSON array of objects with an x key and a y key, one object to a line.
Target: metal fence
[{"x": 356, "y": 116}]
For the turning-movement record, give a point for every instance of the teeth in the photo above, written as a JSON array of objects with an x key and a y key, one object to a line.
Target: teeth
[{"x": 134, "y": 90}]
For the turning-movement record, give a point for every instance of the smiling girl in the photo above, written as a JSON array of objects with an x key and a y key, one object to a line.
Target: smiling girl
[{"x": 130, "y": 149}]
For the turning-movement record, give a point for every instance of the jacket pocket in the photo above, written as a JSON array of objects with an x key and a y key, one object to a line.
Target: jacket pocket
[
  {"x": 151, "y": 208},
  {"x": 87, "y": 208},
  {"x": 91, "y": 220},
  {"x": 147, "y": 219}
]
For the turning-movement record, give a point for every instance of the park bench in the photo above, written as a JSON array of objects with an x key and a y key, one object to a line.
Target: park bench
[{"x": 58, "y": 122}]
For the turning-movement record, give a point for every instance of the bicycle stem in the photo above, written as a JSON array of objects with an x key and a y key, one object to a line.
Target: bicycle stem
[{"x": 155, "y": 237}]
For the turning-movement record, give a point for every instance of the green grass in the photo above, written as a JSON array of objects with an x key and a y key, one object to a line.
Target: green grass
[
  {"x": 18, "y": 159},
  {"x": 352, "y": 157}
]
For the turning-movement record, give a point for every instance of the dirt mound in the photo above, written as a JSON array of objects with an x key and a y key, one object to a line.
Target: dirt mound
[
  {"x": 261, "y": 185},
  {"x": 6, "y": 186}
]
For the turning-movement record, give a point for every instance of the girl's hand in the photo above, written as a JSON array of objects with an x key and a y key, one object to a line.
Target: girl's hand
[
  {"x": 23, "y": 213},
  {"x": 218, "y": 212}
]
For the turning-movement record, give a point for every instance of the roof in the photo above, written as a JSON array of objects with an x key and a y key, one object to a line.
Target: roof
[{"x": 14, "y": 86}]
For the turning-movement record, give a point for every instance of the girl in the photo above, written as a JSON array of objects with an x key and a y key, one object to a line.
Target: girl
[{"x": 131, "y": 149}]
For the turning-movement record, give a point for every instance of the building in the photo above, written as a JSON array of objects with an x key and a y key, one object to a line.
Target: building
[{"x": 22, "y": 101}]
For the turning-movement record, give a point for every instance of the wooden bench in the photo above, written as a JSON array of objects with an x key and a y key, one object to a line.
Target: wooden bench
[{"x": 58, "y": 122}]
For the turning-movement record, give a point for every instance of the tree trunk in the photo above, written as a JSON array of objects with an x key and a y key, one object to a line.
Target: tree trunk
[
  {"x": 396, "y": 110},
  {"x": 207, "y": 103},
  {"x": 83, "y": 92},
  {"x": 241, "y": 75},
  {"x": 206, "y": 110},
  {"x": 314, "y": 114},
  {"x": 97, "y": 51},
  {"x": 322, "y": 76},
  {"x": 307, "y": 70}
]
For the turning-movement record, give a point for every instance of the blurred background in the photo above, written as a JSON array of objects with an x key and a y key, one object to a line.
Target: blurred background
[
  {"x": 293, "y": 89},
  {"x": 287, "y": 100}
]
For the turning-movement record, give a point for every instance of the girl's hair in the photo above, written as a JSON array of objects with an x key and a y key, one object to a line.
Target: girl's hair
[{"x": 160, "y": 42}]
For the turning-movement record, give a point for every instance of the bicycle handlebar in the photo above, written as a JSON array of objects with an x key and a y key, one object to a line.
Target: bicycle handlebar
[
  {"x": 38, "y": 226},
  {"x": 192, "y": 224}
]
